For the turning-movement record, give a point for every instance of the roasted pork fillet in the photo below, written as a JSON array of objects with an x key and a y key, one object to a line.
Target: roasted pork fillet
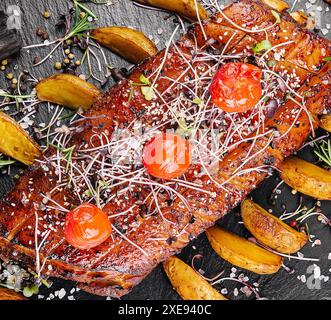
[{"x": 154, "y": 219}]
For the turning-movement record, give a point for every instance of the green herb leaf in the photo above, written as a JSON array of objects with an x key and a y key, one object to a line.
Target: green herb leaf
[
  {"x": 197, "y": 101},
  {"x": 262, "y": 46},
  {"x": 148, "y": 92},
  {"x": 144, "y": 80},
  {"x": 276, "y": 15},
  {"x": 4, "y": 163},
  {"x": 271, "y": 63},
  {"x": 28, "y": 292},
  {"x": 327, "y": 59}
]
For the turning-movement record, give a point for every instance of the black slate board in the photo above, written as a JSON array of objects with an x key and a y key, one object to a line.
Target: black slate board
[{"x": 280, "y": 286}]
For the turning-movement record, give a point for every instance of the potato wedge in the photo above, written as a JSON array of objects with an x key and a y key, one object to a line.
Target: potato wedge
[
  {"x": 299, "y": 17},
  {"x": 15, "y": 142},
  {"x": 188, "y": 283},
  {"x": 270, "y": 230},
  {"x": 278, "y": 5},
  {"x": 243, "y": 253},
  {"x": 128, "y": 43},
  {"x": 67, "y": 90},
  {"x": 185, "y": 8},
  {"x": 307, "y": 178},
  {"x": 6, "y": 294},
  {"x": 325, "y": 122}
]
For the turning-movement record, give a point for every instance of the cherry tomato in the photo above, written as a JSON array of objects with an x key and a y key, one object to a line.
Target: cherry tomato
[
  {"x": 236, "y": 87},
  {"x": 167, "y": 156},
  {"x": 86, "y": 227}
]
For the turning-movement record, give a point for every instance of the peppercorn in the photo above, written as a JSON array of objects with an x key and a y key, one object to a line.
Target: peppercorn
[
  {"x": 23, "y": 88},
  {"x": 58, "y": 65},
  {"x": 78, "y": 63},
  {"x": 36, "y": 60},
  {"x": 4, "y": 62},
  {"x": 47, "y": 14},
  {"x": 66, "y": 61},
  {"x": 71, "y": 56},
  {"x": 14, "y": 81},
  {"x": 10, "y": 76},
  {"x": 3, "y": 68},
  {"x": 39, "y": 32},
  {"x": 67, "y": 51},
  {"x": 293, "y": 223},
  {"x": 45, "y": 36}
]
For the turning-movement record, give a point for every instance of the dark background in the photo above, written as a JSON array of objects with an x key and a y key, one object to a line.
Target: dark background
[{"x": 122, "y": 12}]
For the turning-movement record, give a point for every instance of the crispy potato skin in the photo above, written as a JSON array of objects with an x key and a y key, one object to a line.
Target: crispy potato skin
[
  {"x": 325, "y": 122},
  {"x": 185, "y": 8},
  {"x": 188, "y": 283},
  {"x": 128, "y": 43},
  {"x": 278, "y": 5},
  {"x": 307, "y": 178},
  {"x": 67, "y": 90},
  {"x": 243, "y": 253},
  {"x": 6, "y": 294},
  {"x": 270, "y": 230},
  {"x": 16, "y": 143},
  {"x": 299, "y": 16}
]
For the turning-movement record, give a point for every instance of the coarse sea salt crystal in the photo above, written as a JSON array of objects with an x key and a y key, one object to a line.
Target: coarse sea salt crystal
[{"x": 61, "y": 293}]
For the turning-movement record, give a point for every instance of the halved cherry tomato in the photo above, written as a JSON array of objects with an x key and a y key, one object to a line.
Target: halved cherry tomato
[
  {"x": 87, "y": 226},
  {"x": 167, "y": 156},
  {"x": 236, "y": 87}
]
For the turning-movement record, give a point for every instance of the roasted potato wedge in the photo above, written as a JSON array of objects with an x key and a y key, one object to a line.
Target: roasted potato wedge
[
  {"x": 15, "y": 142},
  {"x": 185, "y": 8},
  {"x": 67, "y": 90},
  {"x": 325, "y": 122},
  {"x": 299, "y": 17},
  {"x": 243, "y": 253},
  {"x": 130, "y": 44},
  {"x": 278, "y": 5},
  {"x": 307, "y": 178},
  {"x": 270, "y": 230},
  {"x": 6, "y": 294},
  {"x": 188, "y": 283}
]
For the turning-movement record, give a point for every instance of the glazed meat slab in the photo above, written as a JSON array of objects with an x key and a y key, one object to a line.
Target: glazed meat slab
[{"x": 154, "y": 219}]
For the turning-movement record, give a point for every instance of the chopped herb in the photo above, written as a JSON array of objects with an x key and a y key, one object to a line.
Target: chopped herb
[
  {"x": 262, "y": 46},
  {"x": 144, "y": 80},
  {"x": 28, "y": 292},
  {"x": 148, "y": 93},
  {"x": 4, "y": 163},
  {"x": 197, "y": 101},
  {"x": 327, "y": 59},
  {"x": 323, "y": 152},
  {"x": 271, "y": 63}
]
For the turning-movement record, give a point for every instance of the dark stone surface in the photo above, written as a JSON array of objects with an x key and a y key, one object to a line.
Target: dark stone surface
[{"x": 156, "y": 286}]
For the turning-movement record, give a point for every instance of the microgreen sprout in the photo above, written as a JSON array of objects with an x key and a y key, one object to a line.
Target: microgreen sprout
[
  {"x": 80, "y": 25},
  {"x": 276, "y": 15},
  {"x": 67, "y": 154}
]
